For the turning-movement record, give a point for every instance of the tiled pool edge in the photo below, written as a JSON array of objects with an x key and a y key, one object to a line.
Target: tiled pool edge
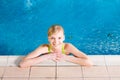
[{"x": 97, "y": 59}]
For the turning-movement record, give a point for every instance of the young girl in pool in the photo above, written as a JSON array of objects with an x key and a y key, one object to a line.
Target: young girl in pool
[{"x": 56, "y": 50}]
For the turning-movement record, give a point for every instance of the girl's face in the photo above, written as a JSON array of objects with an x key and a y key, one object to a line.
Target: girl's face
[{"x": 56, "y": 39}]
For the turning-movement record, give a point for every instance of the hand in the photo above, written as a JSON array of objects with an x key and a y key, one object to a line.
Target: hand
[
  {"x": 60, "y": 57},
  {"x": 53, "y": 56},
  {"x": 57, "y": 56}
]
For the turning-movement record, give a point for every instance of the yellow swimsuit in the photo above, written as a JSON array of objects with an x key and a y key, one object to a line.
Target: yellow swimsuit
[{"x": 63, "y": 50}]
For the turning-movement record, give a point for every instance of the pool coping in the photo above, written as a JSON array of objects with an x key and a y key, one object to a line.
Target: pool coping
[{"x": 98, "y": 60}]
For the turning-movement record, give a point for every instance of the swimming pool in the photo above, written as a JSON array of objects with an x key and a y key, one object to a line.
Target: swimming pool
[{"x": 93, "y": 26}]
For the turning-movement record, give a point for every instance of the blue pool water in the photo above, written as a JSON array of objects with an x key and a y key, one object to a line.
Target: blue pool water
[{"x": 93, "y": 26}]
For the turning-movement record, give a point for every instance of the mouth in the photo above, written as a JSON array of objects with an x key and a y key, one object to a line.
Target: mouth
[{"x": 56, "y": 45}]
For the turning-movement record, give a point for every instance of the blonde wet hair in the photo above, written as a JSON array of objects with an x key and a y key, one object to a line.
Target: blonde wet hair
[{"x": 55, "y": 29}]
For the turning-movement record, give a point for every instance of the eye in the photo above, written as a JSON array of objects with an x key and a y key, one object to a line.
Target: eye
[
  {"x": 52, "y": 38},
  {"x": 59, "y": 37}
]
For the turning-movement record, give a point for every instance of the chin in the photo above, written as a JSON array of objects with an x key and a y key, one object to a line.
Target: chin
[{"x": 56, "y": 46}]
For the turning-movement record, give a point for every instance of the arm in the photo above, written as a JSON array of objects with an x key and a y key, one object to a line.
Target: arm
[
  {"x": 79, "y": 57},
  {"x": 29, "y": 62},
  {"x": 40, "y": 50}
]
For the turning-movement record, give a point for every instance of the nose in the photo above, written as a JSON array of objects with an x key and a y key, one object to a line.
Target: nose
[{"x": 56, "y": 41}]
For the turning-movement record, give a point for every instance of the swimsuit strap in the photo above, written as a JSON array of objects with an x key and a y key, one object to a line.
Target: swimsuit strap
[
  {"x": 49, "y": 47},
  {"x": 63, "y": 50}
]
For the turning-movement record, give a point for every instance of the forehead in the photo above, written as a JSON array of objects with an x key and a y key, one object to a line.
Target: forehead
[{"x": 60, "y": 33}]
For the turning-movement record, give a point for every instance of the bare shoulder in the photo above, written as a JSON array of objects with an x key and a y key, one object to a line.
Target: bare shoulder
[
  {"x": 68, "y": 45},
  {"x": 71, "y": 48},
  {"x": 45, "y": 45},
  {"x": 42, "y": 48},
  {"x": 74, "y": 50}
]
